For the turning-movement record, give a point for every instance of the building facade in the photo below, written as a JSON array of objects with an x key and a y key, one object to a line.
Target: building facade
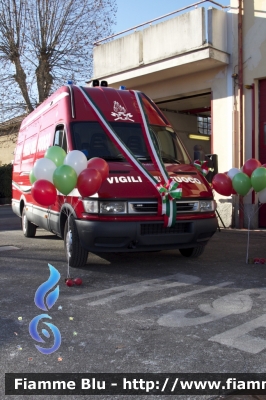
[{"x": 206, "y": 70}]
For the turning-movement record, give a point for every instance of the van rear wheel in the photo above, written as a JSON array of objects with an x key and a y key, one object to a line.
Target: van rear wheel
[
  {"x": 75, "y": 253},
  {"x": 28, "y": 228},
  {"x": 193, "y": 252}
]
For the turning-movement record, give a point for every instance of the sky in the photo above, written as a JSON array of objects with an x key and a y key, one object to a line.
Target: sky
[{"x": 133, "y": 12}]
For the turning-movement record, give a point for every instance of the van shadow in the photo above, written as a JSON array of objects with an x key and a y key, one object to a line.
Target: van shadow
[
  {"x": 132, "y": 263},
  {"x": 48, "y": 237}
]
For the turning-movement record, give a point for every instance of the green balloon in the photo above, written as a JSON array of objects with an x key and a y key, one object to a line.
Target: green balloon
[
  {"x": 32, "y": 177},
  {"x": 56, "y": 154},
  {"x": 65, "y": 179},
  {"x": 241, "y": 183},
  {"x": 258, "y": 179}
]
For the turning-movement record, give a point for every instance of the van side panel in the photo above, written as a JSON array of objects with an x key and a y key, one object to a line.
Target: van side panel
[
  {"x": 59, "y": 115},
  {"x": 35, "y": 136}
]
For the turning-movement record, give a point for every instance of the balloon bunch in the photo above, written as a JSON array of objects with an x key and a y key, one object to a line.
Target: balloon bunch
[
  {"x": 259, "y": 261},
  {"x": 252, "y": 176},
  {"x": 72, "y": 282},
  {"x": 63, "y": 172}
]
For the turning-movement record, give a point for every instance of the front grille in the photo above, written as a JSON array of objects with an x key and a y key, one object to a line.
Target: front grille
[
  {"x": 159, "y": 229},
  {"x": 142, "y": 207},
  {"x": 151, "y": 207},
  {"x": 187, "y": 206}
]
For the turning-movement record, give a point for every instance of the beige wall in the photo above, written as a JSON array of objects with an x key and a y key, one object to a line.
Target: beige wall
[
  {"x": 7, "y": 147},
  {"x": 254, "y": 69},
  {"x": 254, "y": 57},
  {"x": 177, "y": 35}
]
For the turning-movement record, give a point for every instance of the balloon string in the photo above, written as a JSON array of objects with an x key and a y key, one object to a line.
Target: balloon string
[
  {"x": 68, "y": 266},
  {"x": 69, "y": 213},
  {"x": 248, "y": 238},
  {"x": 252, "y": 214}
]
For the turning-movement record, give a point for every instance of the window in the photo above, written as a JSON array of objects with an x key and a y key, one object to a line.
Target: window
[
  {"x": 90, "y": 138},
  {"x": 170, "y": 147},
  {"x": 60, "y": 137},
  {"x": 204, "y": 125}
]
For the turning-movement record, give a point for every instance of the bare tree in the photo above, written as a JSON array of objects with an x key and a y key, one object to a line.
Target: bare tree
[{"x": 43, "y": 43}]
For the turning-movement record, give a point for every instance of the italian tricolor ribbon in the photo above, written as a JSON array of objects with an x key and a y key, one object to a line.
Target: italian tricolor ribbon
[
  {"x": 202, "y": 166},
  {"x": 169, "y": 190}
]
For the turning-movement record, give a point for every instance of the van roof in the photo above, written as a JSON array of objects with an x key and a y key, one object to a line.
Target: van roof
[{"x": 115, "y": 104}]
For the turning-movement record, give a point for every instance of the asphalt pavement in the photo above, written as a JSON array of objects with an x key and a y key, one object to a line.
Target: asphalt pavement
[{"x": 153, "y": 312}]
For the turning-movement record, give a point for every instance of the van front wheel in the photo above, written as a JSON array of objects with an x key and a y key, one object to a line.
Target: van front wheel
[
  {"x": 75, "y": 253},
  {"x": 28, "y": 228},
  {"x": 193, "y": 252}
]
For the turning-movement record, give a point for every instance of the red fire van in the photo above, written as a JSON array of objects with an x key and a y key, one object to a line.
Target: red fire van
[{"x": 125, "y": 215}]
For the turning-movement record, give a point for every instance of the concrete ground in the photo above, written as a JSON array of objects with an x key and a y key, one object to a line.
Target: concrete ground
[{"x": 153, "y": 312}]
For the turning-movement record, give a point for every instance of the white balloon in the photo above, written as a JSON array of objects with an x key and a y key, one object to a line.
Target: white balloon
[
  {"x": 232, "y": 172},
  {"x": 77, "y": 160},
  {"x": 44, "y": 169},
  {"x": 262, "y": 196}
]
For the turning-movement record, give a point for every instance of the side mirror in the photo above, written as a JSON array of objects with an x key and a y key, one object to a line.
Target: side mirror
[{"x": 213, "y": 166}]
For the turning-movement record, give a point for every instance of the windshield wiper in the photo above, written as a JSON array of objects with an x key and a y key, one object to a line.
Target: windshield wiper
[
  {"x": 169, "y": 159},
  {"x": 118, "y": 157}
]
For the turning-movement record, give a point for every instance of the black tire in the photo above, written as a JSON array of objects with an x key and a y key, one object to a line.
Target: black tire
[
  {"x": 76, "y": 255},
  {"x": 28, "y": 228},
  {"x": 193, "y": 252}
]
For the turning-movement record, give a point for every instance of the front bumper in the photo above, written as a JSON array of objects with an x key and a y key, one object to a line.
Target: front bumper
[{"x": 113, "y": 236}]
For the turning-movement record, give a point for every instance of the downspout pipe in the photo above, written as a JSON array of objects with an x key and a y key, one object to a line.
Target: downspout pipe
[
  {"x": 253, "y": 132},
  {"x": 240, "y": 91}
]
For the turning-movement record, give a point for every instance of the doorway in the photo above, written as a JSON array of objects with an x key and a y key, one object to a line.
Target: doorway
[{"x": 190, "y": 116}]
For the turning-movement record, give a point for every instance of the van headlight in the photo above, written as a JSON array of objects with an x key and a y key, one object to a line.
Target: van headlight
[
  {"x": 91, "y": 206},
  {"x": 105, "y": 207},
  {"x": 113, "y": 207},
  {"x": 207, "y": 205}
]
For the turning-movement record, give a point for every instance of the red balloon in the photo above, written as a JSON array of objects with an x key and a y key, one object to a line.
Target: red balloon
[
  {"x": 43, "y": 192},
  {"x": 100, "y": 165},
  {"x": 78, "y": 281},
  {"x": 222, "y": 184},
  {"x": 70, "y": 282},
  {"x": 250, "y": 165},
  {"x": 233, "y": 190},
  {"x": 89, "y": 182}
]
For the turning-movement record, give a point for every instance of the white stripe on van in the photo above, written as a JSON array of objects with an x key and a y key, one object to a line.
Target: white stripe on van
[
  {"x": 43, "y": 109},
  {"x": 21, "y": 188}
]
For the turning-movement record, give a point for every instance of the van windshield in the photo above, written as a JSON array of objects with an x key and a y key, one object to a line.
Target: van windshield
[{"x": 90, "y": 138}]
